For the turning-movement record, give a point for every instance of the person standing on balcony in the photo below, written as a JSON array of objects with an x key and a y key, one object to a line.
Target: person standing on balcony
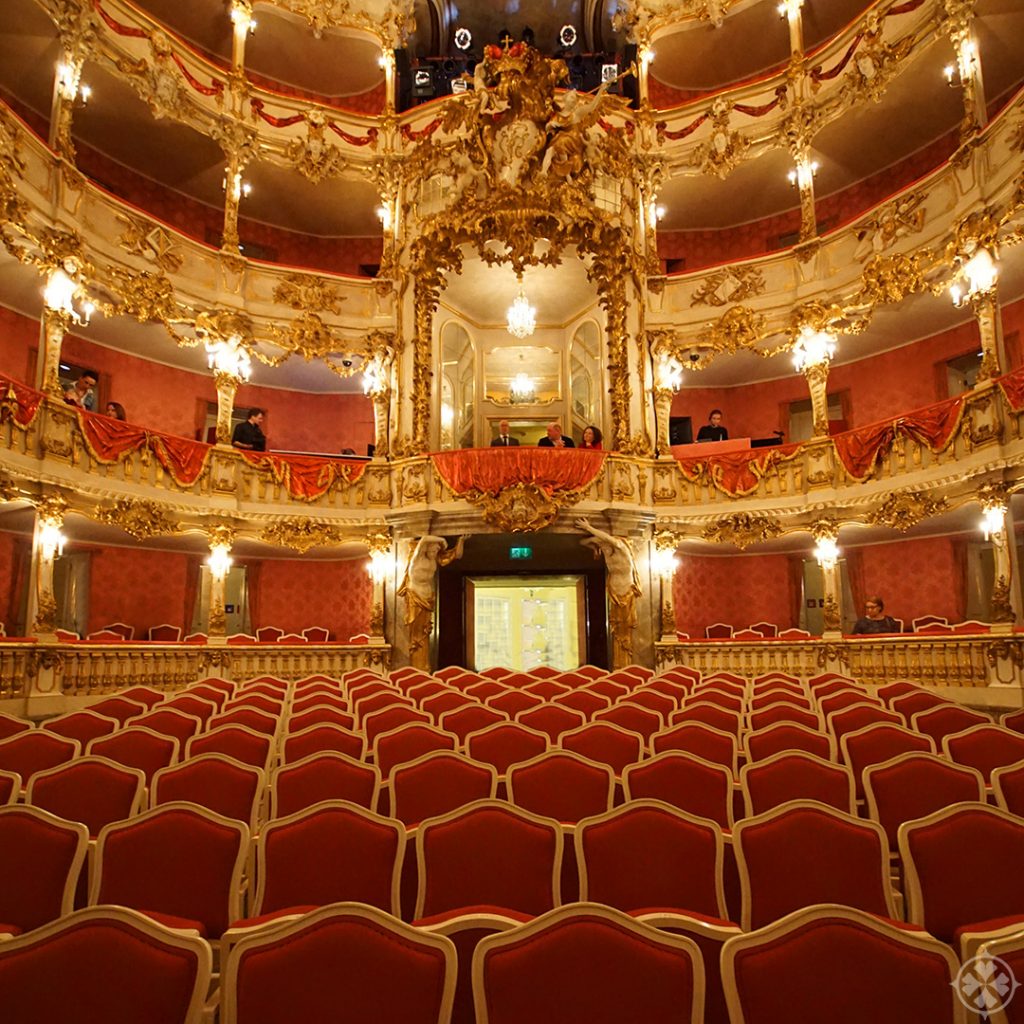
[
  {"x": 80, "y": 393},
  {"x": 713, "y": 429},
  {"x": 555, "y": 438},
  {"x": 249, "y": 435},
  {"x": 504, "y": 438}
]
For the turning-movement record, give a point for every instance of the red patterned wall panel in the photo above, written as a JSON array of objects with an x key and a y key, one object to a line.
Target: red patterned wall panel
[
  {"x": 294, "y": 594},
  {"x": 142, "y": 588},
  {"x": 916, "y": 577},
  {"x": 8, "y": 573}
]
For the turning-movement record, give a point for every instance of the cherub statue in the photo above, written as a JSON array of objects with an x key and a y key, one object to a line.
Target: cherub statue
[{"x": 419, "y": 588}]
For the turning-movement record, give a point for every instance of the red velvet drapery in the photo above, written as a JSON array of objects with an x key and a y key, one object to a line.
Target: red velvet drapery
[
  {"x": 306, "y": 477},
  {"x": 18, "y": 401},
  {"x": 736, "y": 473},
  {"x": 491, "y": 470}
]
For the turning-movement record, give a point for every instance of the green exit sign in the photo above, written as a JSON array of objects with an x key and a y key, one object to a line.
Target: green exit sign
[{"x": 520, "y": 552}]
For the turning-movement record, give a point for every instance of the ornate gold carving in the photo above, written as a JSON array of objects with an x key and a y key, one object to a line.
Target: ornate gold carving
[
  {"x": 391, "y": 26},
  {"x": 1003, "y": 649},
  {"x": 213, "y": 657},
  {"x": 221, "y": 535},
  {"x": 522, "y": 508},
  {"x": 145, "y": 296},
  {"x": 830, "y": 615},
  {"x": 224, "y": 325},
  {"x": 875, "y": 63},
  {"x": 301, "y": 534},
  {"x": 46, "y": 613},
  {"x": 414, "y": 484},
  {"x": 903, "y": 509},
  {"x": 743, "y": 529},
  {"x": 8, "y": 489},
  {"x": 1002, "y": 606},
  {"x": 738, "y": 328},
  {"x": 725, "y": 148},
  {"x": 51, "y": 509},
  {"x": 892, "y": 278},
  {"x": 314, "y": 156},
  {"x": 825, "y": 528},
  {"x": 312, "y": 294},
  {"x": 137, "y": 516},
  {"x": 900, "y": 218},
  {"x": 149, "y": 241},
  {"x": 730, "y": 284}
]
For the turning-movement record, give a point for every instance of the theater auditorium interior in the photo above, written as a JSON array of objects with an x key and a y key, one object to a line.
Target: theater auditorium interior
[{"x": 511, "y": 511}]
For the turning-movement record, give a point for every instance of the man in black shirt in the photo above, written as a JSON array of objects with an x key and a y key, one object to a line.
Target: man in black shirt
[
  {"x": 555, "y": 438},
  {"x": 248, "y": 434},
  {"x": 713, "y": 429}
]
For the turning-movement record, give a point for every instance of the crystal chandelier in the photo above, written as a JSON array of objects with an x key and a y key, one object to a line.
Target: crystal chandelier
[
  {"x": 813, "y": 348},
  {"x": 521, "y": 388},
  {"x": 522, "y": 317}
]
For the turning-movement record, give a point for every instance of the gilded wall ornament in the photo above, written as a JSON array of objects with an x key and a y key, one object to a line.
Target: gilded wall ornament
[
  {"x": 738, "y": 328},
  {"x": 742, "y": 529},
  {"x": 903, "y": 509},
  {"x": 1002, "y": 605},
  {"x": 137, "y": 516},
  {"x": 306, "y": 292},
  {"x": 150, "y": 242},
  {"x": 830, "y": 615},
  {"x": 301, "y": 534},
  {"x": 522, "y": 508},
  {"x": 725, "y": 149},
  {"x": 731, "y": 284},
  {"x": 890, "y": 279},
  {"x": 314, "y": 157}
]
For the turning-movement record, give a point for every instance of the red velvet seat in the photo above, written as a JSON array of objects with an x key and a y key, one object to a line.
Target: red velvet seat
[
  {"x": 436, "y": 783},
  {"x": 784, "y": 712},
  {"x": 511, "y": 702},
  {"x": 195, "y": 704},
  {"x": 91, "y": 790},
  {"x": 82, "y": 726},
  {"x": 258, "y": 698},
  {"x": 41, "y": 856},
  {"x": 144, "y": 695},
  {"x": 796, "y": 775},
  {"x": 684, "y": 781},
  {"x": 854, "y": 719},
  {"x": 320, "y": 714},
  {"x": 471, "y": 718},
  {"x": 251, "y": 718},
  {"x": 632, "y": 717},
  {"x": 365, "y": 706},
  {"x": 700, "y": 740},
  {"x": 343, "y": 962},
  {"x": 409, "y": 742},
  {"x": 1013, "y": 720},
  {"x": 483, "y": 689},
  {"x": 587, "y": 963},
  {"x": 914, "y": 785},
  {"x": 647, "y": 855},
  {"x": 488, "y": 854},
  {"x": 11, "y": 725},
  {"x": 35, "y": 750},
  {"x": 120, "y": 708},
  {"x": 169, "y": 722},
  {"x": 585, "y": 701},
  {"x": 984, "y": 747},
  {"x": 327, "y": 853},
  {"x": 137, "y": 747},
  {"x": 389, "y": 719},
  {"x": 214, "y": 781},
  {"x": 841, "y": 700},
  {"x": 837, "y": 964},
  {"x": 553, "y": 719},
  {"x": 789, "y": 736},
  {"x": 720, "y": 695},
  {"x": 1008, "y": 788},
  {"x": 888, "y": 693},
  {"x": 208, "y": 692},
  {"x": 505, "y": 744},
  {"x": 946, "y": 719},
  {"x": 319, "y": 738},
  {"x": 906, "y": 705},
  {"x": 877, "y": 743},
  {"x": 673, "y": 688},
  {"x": 561, "y": 785},
  {"x": 106, "y": 964},
  {"x": 450, "y": 700},
  {"x": 235, "y": 741},
  {"x": 326, "y": 775},
  {"x": 969, "y": 841},
  {"x": 605, "y": 743},
  {"x": 829, "y": 857},
  {"x": 723, "y": 719},
  {"x": 546, "y": 689},
  {"x": 179, "y": 861},
  {"x": 10, "y": 788}
]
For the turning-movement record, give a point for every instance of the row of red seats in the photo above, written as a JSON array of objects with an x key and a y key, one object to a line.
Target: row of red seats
[{"x": 184, "y": 867}]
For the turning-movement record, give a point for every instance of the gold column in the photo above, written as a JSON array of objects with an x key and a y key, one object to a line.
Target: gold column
[
  {"x": 804, "y": 179},
  {"x": 227, "y": 386},
  {"x": 242, "y": 24},
  {"x": 665, "y": 564},
  {"x": 826, "y": 551},
  {"x": 47, "y": 544},
  {"x": 387, "y": 59},
  {"x": 221, "y": 538},
  {"x": 644, "y": 57},
  {"x": 377, "y": 384},
  {"x": 232, "y": 198},
  {"x": 382, "y": 561},
  {"x": 816, "y": 376},
  {"x": 986, "y": 309},
  {"x": 967, "y": 69},
  {"x": 55, "y": 326},
  {"x": 997, "y": 526}
]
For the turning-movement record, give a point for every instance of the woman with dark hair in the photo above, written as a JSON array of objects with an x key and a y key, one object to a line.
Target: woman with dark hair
[
  {"x": 115, "y": 410},
  {"x": 875, "y": 620},
  {"x": 591, "y": 438}
]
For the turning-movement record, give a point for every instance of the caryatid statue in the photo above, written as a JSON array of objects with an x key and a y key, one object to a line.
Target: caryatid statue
[
  {"x": 419, "y": 588},
  {"x": 623, "y": 585}
]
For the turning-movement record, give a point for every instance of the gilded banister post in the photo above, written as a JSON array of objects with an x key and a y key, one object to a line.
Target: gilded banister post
[
  {"x": 77, "y": 27},
  {"x": 227, "y": 387},
  {"x": 381, "y": 567},
  {"x": 242, "y": 23},
  {"x": 997, "y": 525},
  {"x": 975, "y": 253},
  {"x": 813, "y": 347},
  {"x": 228, "y": 338},
  {"x": 966, "y": 71},
  {"x": 816, "y": 376},
  {"x": 665, "y": 565},
  {"x": 668, "y": 377},
  {"x": 377, "y": 384}
]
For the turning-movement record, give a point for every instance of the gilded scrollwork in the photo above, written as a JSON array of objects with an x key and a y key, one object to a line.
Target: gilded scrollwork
[
  {"x": 736, "y": 329},
  {"x": 742, "y": 529},
  {"x": 151, "y": 242},
  {"x": 138, "y": 517},
  {"x": 523, "y": 507},
  {"x": 725, "y": 149},
  {"x": 1001, "y": 603},
  {"x": 730, "y": 284},
  {"x": 890, "y": 279},
  {"x": 903, "y": 509},
  {"x": 314, "y": 156},
  {"x": 310, "y": 293},
  {"x": 301, "y": 534}
]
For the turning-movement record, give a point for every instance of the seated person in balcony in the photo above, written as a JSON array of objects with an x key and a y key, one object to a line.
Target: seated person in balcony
[
  {"x": 592, "y": 437},
  {"x": 115, "y": 410},
  {"x": 248, "y": 435},
  {"x": 80, "y": 393},
  {"x": 713, "y": 429},
  {"x": 555, "y": 438},
  {"x": 504, "y": 438},
  {"x": 874, "y": 620}
]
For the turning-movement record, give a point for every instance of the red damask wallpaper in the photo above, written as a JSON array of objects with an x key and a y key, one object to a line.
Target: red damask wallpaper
[
  {"x": 294, "y": 594},
  {"x": 19, "y": 336},
  {"x": 9, "y": 597},
  {"x": 737, "y": 589},
  {"x": 140, "y": 588},
  {"x": 917, "y": 577}
]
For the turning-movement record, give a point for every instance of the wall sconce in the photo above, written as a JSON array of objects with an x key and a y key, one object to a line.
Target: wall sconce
[
  {"x": 384, "y": 216},
  {"x": 51, "y": 540},
  {"x": 380, "y": 566},
  {"x": 804, "y": 173},
  {"x": 238, "y": 188},
  {"x": 69, "y": 77},
  {"x": 668, "y": 373},
  {"x": 813, "y": 348},
  {"x": 229, "y": 357},
  {"x": 826, "y": 553},
  {"x": 966, "y": 63},
  {"x": 790, "y": 9},
  {"x": 980, "y": 273},
  {"x": 655, "y": 213},
  {"x": 993, "y": 521},
  {"x": 61, "y": 291},
  {"x": 220, "y": 561},
  {"x": 665, "y": 562},
  {"x": 646, "y": 57}
]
